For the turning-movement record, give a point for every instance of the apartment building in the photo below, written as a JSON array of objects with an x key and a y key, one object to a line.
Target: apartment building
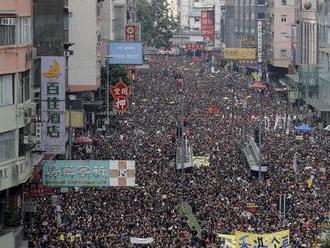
[{"x": 16, "y": 113}]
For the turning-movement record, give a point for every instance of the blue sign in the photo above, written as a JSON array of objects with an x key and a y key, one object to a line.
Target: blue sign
[
  {"x": 125, "y": 53},
  {"x": 63, "y": 173}
]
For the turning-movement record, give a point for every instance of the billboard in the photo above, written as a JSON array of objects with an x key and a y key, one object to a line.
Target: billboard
[
  {"x": 125, "y": 53},
  {"x": 240, "y": 53},
  {"x": 53, "y": 135},
  {"x": 207, "y": 25},
  {"x": 67, "y": 173}
]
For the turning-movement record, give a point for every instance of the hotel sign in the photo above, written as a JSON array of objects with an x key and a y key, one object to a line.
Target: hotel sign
[{"x": 53, "y": 135}]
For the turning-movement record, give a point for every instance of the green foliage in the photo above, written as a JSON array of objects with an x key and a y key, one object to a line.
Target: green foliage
[
  {"x": 115, "y": 72},
  {"x": 156, "y": 23}
]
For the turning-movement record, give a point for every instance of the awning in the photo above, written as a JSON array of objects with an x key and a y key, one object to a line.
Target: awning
[{"x": 319, "y": 105}]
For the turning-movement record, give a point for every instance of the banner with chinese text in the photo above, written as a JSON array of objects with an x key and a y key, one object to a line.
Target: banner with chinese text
[
  {"x": 270, "y": 240},
  {"x": 65, "y": 173},
  {"x": 53, "y": 136},
  {"x": 207, "y": 25}
]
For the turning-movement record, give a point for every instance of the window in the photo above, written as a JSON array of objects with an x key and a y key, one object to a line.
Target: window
[
  {"x": 6, "y": 89},
  {"x": 283, "y": 18},
  {"x": 7, "y": 146},
  {"x": 283, "y": 52},
  {"x": 284, "y": 35},
  {"x": 261, "y": 2},
  {"x": 196, "y": 19},
  {"x": 66, "y": 22},
  {"x": 7, "y": 31},
  {"x": 283, "y": 2},
  {"x": 24, "y": 87},
  {"x": 261, "y": 16},
  {"x": 23, "y": 30}
]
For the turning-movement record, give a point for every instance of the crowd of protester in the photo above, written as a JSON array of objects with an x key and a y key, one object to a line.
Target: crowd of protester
[{"x": 216, "y": 108}]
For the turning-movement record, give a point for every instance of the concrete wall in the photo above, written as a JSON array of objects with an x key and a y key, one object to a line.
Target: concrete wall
[{"x": 83, "y": 65}]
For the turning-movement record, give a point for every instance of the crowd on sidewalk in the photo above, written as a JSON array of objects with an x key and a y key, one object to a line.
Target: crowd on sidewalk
[{"x": 216, "y": 107}]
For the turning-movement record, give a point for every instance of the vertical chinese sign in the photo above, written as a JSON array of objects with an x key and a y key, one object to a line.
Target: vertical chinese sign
[
  {"x": 207, "y": 25},
  {"x": 53, "y": 104},
  {"x": 120, "y": 92}
]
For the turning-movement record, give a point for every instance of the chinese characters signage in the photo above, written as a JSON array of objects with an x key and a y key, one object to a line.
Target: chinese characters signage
[
  {"x": 240, "y": 53},
  {"x": 253, "y": 240},
  {"x": 259, "y": 42},
  {"x": 63, "y": 173},
  {"x": 133, "y": 32},
  {"x": 207, "y": 25},
  {"x": 125, "y": 53},
  {"x": 195, "y": 46},
  {"x": 120, "y": 92},
  {"x": 53, "y": 135}
]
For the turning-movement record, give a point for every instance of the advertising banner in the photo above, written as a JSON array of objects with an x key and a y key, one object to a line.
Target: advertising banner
[
  {"x": 53, "y": 136},
  {"x": 66, "y": 173},
  {"x": 125, "y": 53},
  {"x": 207, "y": 25},
  {"x": 240, "y": 53}
]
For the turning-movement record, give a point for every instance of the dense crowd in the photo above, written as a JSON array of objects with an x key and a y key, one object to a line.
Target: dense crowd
[{"x": 216, "y": 106}]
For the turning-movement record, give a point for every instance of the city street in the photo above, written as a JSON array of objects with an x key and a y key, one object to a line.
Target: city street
[{"x": 216, "y": 108}]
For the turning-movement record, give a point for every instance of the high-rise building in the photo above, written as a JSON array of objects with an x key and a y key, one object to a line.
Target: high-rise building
[
  {"x": 190, "y": 14},
  {"x": 241, "y": 22}
]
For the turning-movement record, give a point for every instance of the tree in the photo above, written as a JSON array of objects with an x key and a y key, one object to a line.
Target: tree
[{"x": 156, "y": 23}]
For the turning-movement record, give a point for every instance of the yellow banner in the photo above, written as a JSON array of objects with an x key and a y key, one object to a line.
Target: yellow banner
[
  {"x": 240, "y": 53},
  {"x": 77, "y": 119},
  {"x": 271, "y": 240},
  {"x": 230, "y": 240},
  {"x": 200, "y": 161}
]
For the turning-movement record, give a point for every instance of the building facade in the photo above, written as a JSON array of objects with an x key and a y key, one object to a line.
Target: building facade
[
  {"x": 85, "y": 64},
  {"x": 282, "y": 30},
  {"x": 241, "y": 22},
  {"x": 16, "y": 112}
]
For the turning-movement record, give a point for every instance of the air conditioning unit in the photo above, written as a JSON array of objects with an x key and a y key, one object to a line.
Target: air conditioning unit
[{"x": 7, "y": 21}]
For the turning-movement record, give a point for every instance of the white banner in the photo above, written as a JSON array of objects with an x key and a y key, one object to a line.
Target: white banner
[{"x": 142, "y": 241}]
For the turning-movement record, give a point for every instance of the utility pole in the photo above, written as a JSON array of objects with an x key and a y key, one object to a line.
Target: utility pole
[
  {"x": 259, "y": 141},
  {"x": 67, "y": 54},
  {"x": 182, "y": 142},
  {"x": 71, "y": 98},
  {"x": 107, "y": 93}
]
